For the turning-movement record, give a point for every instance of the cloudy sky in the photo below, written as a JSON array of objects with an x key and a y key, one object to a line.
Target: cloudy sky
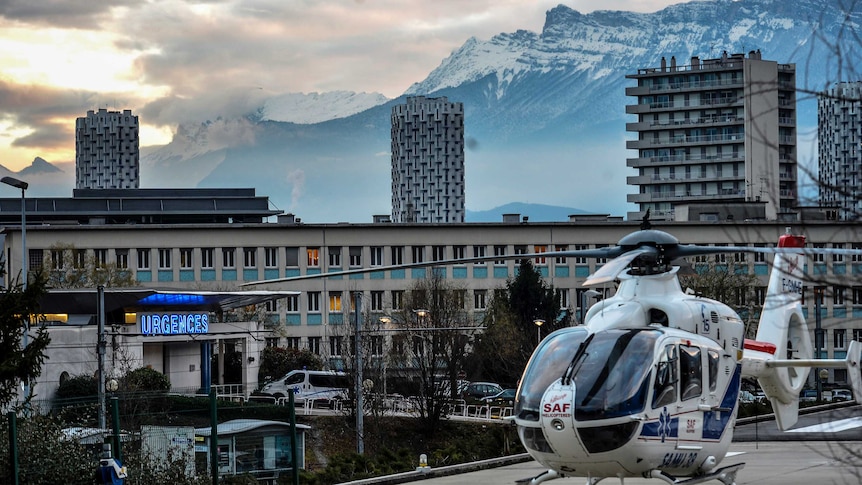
[{"x": 187, "y": 60}]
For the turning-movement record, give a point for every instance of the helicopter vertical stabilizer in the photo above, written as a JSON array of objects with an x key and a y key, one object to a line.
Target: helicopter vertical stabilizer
[{"x": 781, "y": 334}]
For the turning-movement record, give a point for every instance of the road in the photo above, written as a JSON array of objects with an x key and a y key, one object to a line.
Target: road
[{"x": 766, "y": 463}]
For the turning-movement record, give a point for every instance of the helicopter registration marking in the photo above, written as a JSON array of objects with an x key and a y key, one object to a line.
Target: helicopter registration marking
[
  {"x": 678, "y": 460},
  {"x": 789, "y": 285}
]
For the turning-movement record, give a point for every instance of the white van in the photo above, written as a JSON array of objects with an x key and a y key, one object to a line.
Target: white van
[{"x": 310, "y": 384}]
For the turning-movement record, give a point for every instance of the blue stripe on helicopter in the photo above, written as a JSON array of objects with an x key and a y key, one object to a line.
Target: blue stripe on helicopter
[{"x": 715, "y": 422}]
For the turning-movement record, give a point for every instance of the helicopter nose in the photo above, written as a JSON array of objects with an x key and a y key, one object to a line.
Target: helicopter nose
[{"x": 557, "y": 418}]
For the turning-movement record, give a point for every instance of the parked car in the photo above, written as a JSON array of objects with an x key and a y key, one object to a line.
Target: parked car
[
  {"x": 506, "y": 397},
  {"x": 475, "y": 391},
  {"x": 808, "y": 395},
  {"x": 842, "y": 395}
]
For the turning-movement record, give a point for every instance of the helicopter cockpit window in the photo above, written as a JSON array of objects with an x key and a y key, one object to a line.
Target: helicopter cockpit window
[
  {"x": 549, "y": 363},
  {"x": 691, "y": 370},
  {"x": 664, "y": 391},
  {"x": 713, "y": 369},
  {"x": 612, "y": 376}
]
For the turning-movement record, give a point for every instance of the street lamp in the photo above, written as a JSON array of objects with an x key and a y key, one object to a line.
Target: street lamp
[
  {"x": 538, "y": 323},
  {"x": 20, "y": 184}
]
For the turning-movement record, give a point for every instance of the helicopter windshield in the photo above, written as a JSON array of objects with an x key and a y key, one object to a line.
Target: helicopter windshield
[
  {"x": 611, "y": 376},
  {"x": 549, "y": 362}
]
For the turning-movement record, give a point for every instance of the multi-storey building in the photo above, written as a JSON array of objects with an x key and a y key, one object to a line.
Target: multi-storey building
[
  {"x": 428, "y": 161},
  {"x": 839, "y": 133},
  {"x": 107, "y": 150},
  {"x": 224, "y": 255},
  {"x": 714, "y": 131}
]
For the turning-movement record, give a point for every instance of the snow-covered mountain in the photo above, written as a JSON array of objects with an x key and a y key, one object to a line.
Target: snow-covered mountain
[
  {"x": 544, "y": 112},
  {"x": 318, "y": 107}
]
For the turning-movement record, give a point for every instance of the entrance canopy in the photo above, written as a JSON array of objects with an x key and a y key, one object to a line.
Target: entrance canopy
[{"x": 84, "y": 300}]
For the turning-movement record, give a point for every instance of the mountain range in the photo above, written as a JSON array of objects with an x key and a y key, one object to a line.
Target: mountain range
[{"x": 544, "y": 111}]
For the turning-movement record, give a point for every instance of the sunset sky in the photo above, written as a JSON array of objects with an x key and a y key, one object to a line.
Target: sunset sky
[{"x": 172, "y": 60}]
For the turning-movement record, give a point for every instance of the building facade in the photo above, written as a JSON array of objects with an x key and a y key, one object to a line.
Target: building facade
[
  {"x": 318, "y": 318},
  {"x": 839, "y": 134},
  {"x": 107, "y": 154},
  {"x": 428, "y": 161},
  {"x": 714, "y": 131}
]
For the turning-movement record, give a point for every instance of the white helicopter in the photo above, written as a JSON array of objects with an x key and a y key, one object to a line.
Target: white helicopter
[{"x": 649, "y": 385}]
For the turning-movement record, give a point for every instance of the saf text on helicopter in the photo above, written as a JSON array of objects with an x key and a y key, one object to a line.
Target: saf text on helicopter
[{"x": 649, "y": 385}]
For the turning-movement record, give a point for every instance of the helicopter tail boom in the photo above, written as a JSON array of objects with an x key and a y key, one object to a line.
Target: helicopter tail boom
[{"x": 782, "y": 335}]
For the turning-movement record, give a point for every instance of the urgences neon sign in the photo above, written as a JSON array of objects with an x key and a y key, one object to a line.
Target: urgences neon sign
[{"x": 173, "y": 323}]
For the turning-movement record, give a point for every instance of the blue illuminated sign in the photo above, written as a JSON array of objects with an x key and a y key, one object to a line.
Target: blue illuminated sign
[{"x": 179, "y": 323}]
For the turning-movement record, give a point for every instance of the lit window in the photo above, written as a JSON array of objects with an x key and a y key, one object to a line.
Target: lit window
[
  {"x": 313, "y": 257},
  {"x": 540, "y": 249},
  {"x": 186, "y": 258},
  {"x": 335, "y": 301}
]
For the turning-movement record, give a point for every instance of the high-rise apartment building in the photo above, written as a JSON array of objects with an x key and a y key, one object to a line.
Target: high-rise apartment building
[
  {"x": 107, "y": 152},
  {"x": 428, "y": 160},
  {"x": 713, "y": 132},
  {"x": 839, "y": 133}
]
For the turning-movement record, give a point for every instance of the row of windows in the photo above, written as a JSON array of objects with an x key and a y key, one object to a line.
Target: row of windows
[
  {"x": 839, "y": 338},
  {"x": 395, "y": 298},
  {"x": 62, "y": 258}
]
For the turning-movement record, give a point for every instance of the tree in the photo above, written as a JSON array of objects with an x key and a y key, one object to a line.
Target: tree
[
  {"x": 510, "y": 330},
  {"x": 431, "y": 342},
  {"x": 69, "y": 267},
  {"x": 730, "y": 284},
  {"x": 18, "y": 306}
]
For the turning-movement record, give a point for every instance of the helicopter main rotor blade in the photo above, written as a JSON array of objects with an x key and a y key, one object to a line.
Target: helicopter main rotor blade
[
  {"x": 614, "y": 267},
  {"x": 608, "y": 252}
]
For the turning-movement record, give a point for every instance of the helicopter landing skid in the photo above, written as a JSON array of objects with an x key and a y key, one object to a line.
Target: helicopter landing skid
[
  {"x": 726, "y": 475},
  {"x": 542, "y": 477}
]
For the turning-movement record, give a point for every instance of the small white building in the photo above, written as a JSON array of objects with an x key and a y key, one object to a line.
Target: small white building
[{"x": 174, "y": 332}]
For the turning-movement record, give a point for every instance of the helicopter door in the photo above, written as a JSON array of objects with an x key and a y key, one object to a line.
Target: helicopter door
[
  {"x": 691, "y": 372},
  {"x": 666, "y": 378}
]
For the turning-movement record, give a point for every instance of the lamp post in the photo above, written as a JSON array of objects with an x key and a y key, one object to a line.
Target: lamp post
[
  {"x": 818, "y": 338},
  {"x": 538, "y": 323},
  {"x": 584, "y": 296},
  {"x": 20, "y": 184}
]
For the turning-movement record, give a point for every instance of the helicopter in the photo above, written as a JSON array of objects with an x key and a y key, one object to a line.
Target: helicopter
[{"x": 648, "y": 386}]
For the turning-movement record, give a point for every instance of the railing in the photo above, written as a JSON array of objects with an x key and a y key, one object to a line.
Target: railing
[{"x": 233, "y": 392}]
